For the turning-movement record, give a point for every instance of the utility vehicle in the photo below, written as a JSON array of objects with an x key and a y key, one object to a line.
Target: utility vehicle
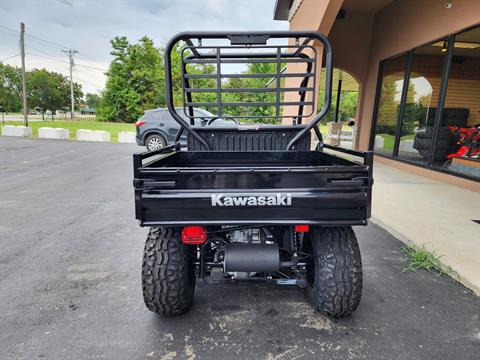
[{"x": 251, "y": 202}]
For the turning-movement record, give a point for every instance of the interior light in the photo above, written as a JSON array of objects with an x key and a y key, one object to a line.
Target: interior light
[
  {"x": 458, "y": 45},
  {"x": 444, "y": 46}
]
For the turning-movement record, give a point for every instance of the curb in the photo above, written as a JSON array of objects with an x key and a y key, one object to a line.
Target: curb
[{"x": 455, "y": 275}]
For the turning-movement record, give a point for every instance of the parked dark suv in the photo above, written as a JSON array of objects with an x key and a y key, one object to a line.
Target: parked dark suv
[{"x": 157, "y": 128}]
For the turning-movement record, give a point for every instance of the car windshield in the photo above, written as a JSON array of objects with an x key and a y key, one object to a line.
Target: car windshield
[
  {"x": 197, "y": 113},
  {"x": 201, "y": 116}
]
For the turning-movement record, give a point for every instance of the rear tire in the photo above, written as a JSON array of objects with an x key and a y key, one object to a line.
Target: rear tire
[
  {"x": 444, "y": 132},
  {"x": 168, "y": 274},
  {"x": 335, "y": 279}
]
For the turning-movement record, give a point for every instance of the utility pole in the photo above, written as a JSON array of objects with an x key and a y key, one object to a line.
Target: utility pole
[
  {"x": 70, "y": 54},
  {"x": 24, "y": 80}
]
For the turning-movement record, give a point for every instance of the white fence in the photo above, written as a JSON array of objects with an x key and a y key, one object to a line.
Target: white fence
[
  {"x": 90, "y": 135},
  {"x": 53, "y": 133},
  {"x": 126, "y": 137},
  {"x": 64, "y": 134},
  {"x": 18, "y": 131}
]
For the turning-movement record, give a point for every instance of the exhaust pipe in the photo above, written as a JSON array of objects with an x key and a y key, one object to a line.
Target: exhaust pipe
[
  {"x": 241, "y": 257},
  {"x": 251, "y": 257}
]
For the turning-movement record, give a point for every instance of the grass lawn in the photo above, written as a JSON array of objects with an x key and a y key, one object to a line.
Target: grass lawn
[
  {"x": 73, "y": 126},
  {"x": 390, "y": 139}
]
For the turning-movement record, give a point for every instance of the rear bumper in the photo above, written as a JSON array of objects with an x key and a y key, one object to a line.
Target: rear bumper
[{"x": 139, "y": 137}]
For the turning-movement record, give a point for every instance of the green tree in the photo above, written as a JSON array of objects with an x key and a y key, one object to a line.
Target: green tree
[
  {"x": 226, "y": 97},
  {"x": 198, "y": 83},
  {"x": 92, "y": 100},
  {"x": 347, "y": 109},
  {"x": 252, "y": 96},
  {"x": 135, "y": 80},
  {"x": 10, "y": 88},
  {"x": 411, "y": 112},
  {"x": 411, "y": 92},
  {"x": 50, "y": 91},
  {"x": 387, "y": 112},
  {"x": 269, "y": 97}
]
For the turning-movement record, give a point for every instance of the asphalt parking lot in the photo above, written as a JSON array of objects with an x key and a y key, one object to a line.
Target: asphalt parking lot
[{"x": 70, "y": 288}]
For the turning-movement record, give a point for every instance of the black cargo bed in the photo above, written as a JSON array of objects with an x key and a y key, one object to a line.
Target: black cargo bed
[
  {"x": 246, "y": 159},
  {"x": 181, "y": 188}
]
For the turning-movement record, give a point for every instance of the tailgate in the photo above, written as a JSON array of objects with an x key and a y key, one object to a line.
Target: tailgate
[{"x": 306, "y": 206}]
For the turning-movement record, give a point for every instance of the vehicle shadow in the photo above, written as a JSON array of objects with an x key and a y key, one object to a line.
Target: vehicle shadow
[{"x": 248, "y": 321}]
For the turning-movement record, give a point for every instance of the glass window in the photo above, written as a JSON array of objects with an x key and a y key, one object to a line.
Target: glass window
[
  {"x": 457, "y": 146},
  {"x": 458, "y": 140},
  {"x": 389, "y": 104},
  {"x": 421, "y": 101}
]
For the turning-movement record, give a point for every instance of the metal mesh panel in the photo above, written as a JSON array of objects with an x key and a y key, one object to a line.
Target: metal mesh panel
[
  {"x": 262, "y": 139},
  {"x": 222, "y": 80}
]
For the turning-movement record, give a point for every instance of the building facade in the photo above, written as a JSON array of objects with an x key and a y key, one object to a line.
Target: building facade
[{"x": 417, "y": 64}]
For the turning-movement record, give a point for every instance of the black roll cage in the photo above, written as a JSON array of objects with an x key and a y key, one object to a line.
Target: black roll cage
[{"x": 250, "y": 40}]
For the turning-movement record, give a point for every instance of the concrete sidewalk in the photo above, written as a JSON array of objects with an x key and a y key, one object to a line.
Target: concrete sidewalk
[{"x": 419, "y": 210}]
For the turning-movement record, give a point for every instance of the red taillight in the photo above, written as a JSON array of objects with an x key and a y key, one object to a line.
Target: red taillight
[
  {"x": 194, "y": 235},
  {"x": 302, "y": 228},
  {"x": 139, "y": 123}
]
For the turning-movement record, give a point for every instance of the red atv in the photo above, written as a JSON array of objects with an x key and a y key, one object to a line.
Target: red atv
[{"x": 468, "y": 142}]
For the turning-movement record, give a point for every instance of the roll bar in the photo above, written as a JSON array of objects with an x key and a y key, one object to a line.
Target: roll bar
[{"x": 241, "y": 40}]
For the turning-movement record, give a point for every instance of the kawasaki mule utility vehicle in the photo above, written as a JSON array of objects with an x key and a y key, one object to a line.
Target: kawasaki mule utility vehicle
[{"x": 251, "y": 200}]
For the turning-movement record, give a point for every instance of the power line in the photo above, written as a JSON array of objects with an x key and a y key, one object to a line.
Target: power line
[
  {"x": 90, "y": 72},
  {"x": 36, "y": 38},
  {"x": 51, "y": 44},
  {"x": 12, "y": 35},
  {"x": 86, "y": 56},
  {"x": 36, "y": 49},
  {"x": 93, "y": 76},
  {"x": 28, "y": 37},
  {"x": 91, "y": 67},
  {"x": 48, "y": 58},
  {"x": 91, "y": 83},
  {"x": 65, "y": 62},
  {"x": 9, "y": 57},
  {"x": 9, "y": 29},
  {"x": 47, "y": 41},
  {"x": 56, "y": 46},
  {"x": 16, "y": 37},
  {"x": 92, "y": 80}
]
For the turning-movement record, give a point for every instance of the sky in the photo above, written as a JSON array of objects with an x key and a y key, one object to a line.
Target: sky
[{"x": 89, "y": 25}]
